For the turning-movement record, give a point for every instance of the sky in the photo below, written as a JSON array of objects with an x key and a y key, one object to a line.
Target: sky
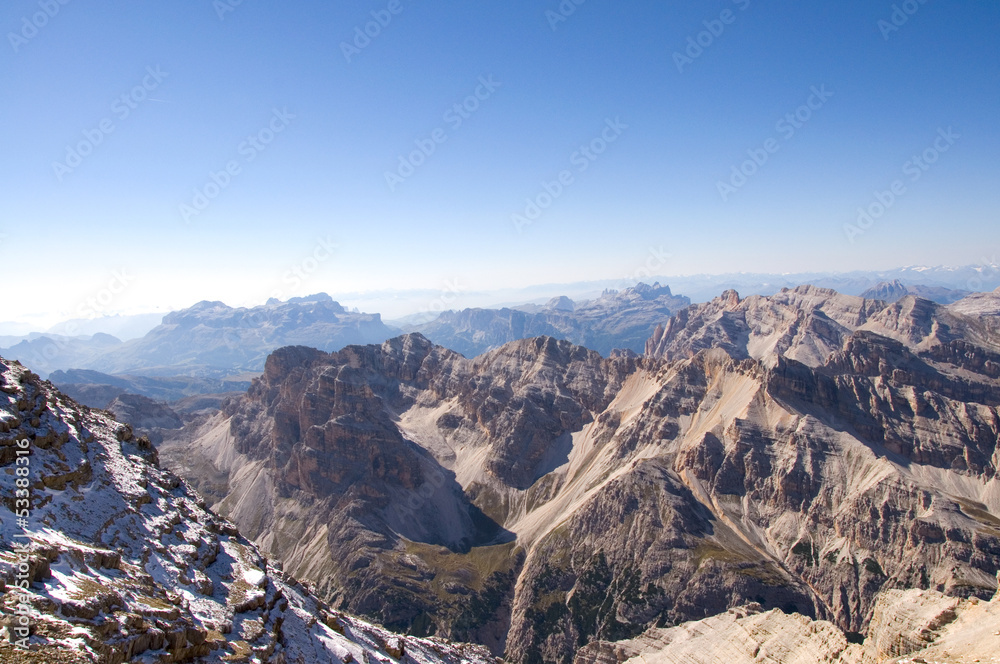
[{"x": 156, "y": 154}]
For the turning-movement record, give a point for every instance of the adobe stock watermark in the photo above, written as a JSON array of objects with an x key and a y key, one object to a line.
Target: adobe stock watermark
[
  {"x": 30, "y": 26},
  {"x": 714, "y": 28},
  {"x": 786, "y": 127},
  {"x": 324, "y": 249},
  {"x": 100, "y": 303},
  {"x": 899, "y": 17},
  {"x": 562, "y": 13},
  {"x": 454, "y": 117},
  {"x": 23, "y": 614},
  {"x": 94, "y": 306},
  {"x": 581, "y": 160},
  {"x": 223, "y": 7},
  {"x": 249, "y": 149},
  {"x": 451, "y": 291},
  {"x": 913, "y": 169},
  {"x": 308, "y": 265},
  {"x": 363, "y": 35},
  {"x": 122, "y": 107}
]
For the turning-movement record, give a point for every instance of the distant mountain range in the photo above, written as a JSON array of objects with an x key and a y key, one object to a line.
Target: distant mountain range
[
  {"x": 410, "y": 307},
  {"x": 207, "y": 340},
  {"x": 45, "y": 353},
  {"x": 124, "y": 327},
  {"x": 398, "y": 305},
  {"x": 970, "y": 278},
  {"x": 211, "y": 342},
  {"x": 211, "y": 339},
  {"x": 615, "y": 320}
]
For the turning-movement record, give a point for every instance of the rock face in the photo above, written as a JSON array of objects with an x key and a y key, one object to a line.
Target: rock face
[
  {"x": 618, "y": 319},
  {"x": 804, "y": 451},
  {"x": 121, "y": 562},
  {"x": 920, "y": 625}
]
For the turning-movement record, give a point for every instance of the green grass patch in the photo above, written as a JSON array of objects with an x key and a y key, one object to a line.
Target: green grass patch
[{"x": 707, "y": 550}]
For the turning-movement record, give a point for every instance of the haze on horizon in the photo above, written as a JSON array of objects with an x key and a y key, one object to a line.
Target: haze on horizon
[{"x": 207, "y": 150}]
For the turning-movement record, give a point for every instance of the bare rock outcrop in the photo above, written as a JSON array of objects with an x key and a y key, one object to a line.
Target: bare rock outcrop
[{"x": 908, "y": 626}]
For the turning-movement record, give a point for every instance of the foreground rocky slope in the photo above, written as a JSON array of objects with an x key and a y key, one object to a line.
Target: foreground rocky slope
[
  {"x": 805, "y": 451},
  {"x": 617, "y": 319},
  {"x": 117, "y": 560}
]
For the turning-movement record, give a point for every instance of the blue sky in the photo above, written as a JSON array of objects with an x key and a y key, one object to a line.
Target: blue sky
[{"x": 231, "y": 77}]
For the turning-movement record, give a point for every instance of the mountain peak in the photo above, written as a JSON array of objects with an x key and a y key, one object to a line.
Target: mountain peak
[
  {"x": 560, "y": 303},
  {"x": 729, "y": 299},
  {"x": 887, "y": 291}
]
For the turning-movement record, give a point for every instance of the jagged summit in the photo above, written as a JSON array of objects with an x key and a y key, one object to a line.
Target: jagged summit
[{"x": 887, "y": 291}]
